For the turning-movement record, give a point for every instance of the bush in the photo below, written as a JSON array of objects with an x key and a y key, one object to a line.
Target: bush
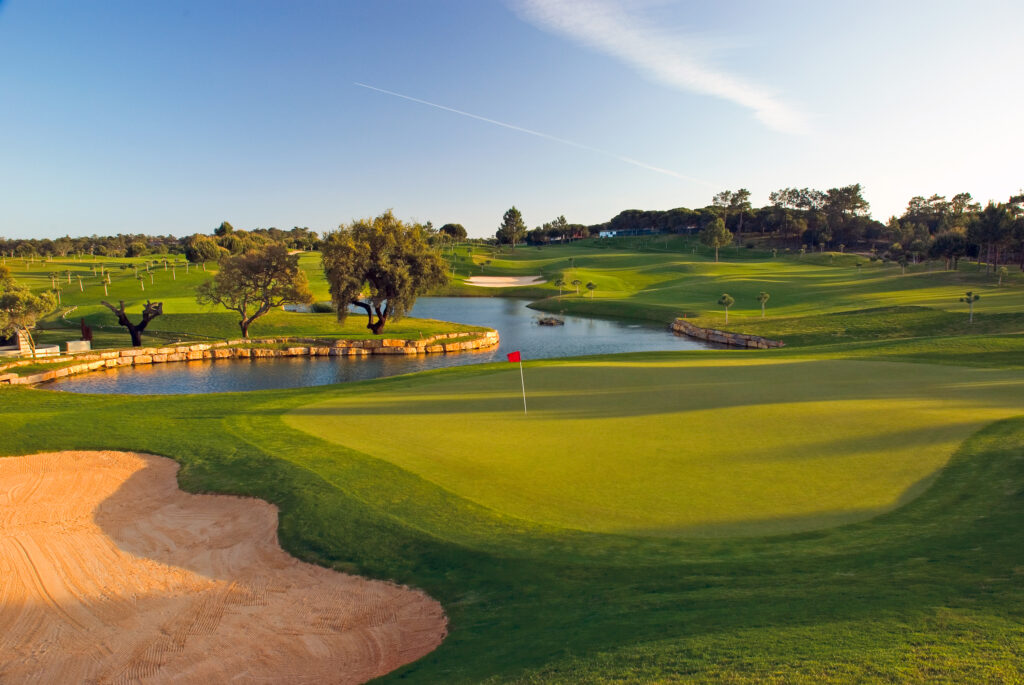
[{"x": 323, "y": 307}]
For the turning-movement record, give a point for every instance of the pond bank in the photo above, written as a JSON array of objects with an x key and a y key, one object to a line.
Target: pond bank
[
  {"x": 724, "y": 337},
  {"x": 248, "y": 349}
]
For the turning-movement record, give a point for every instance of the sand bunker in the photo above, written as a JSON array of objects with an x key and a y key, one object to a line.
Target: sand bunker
[
  {"x": 110, "y": 573},
  {"x": 504, "y": 281}
]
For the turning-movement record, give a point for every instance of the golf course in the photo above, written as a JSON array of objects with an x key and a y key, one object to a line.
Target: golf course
[{"x": 848, "y": 507}]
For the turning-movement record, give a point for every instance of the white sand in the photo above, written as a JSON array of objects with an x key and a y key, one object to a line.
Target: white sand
[
  {"x": 110, "y": 573},
  {"x": 504, "y": 281}
]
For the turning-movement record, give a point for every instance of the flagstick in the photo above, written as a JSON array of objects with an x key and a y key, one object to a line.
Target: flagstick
[{"x": 523, "y": 381}]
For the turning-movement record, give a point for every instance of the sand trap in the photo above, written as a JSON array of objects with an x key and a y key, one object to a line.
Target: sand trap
[
  {"x": 110, "y": 573},
  {"x": 504, "y": 281}
]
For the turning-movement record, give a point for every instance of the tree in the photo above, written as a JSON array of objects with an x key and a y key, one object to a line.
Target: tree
[
  {"x": 1002, "y": 274},
  {"x": 136, "y": 248},
  {"x": 950, "y": 245},
  {"x": 512, "y": 228},
  {"x": 201, "y": 249},
  {"x": 762, "y": 297},
  {"x": 970, "y": 298},
  {"x": 149, "y": 312},
  {"x": 20, "y": 308},
  {"x": 577, "y": 283},
  {"x": 256, "y": 281},
  {"x": 559, "y": 283},
  {"x": 387, "y": 259},
  {"x": 739, "y": 203},
  {"x": 591, "y": 286},
  {"x": 453, "y": 231},
  {"x": 716, "y": 235},
  {"x": 224, "y": 229},
  {"x": 726, "y": 301}
]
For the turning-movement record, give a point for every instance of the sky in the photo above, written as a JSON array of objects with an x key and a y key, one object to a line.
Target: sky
[{"x": 135, "y": 116}]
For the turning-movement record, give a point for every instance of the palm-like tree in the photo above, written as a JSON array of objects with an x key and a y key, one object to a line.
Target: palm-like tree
[
  {"x": 591, "y": 286},
  {"x": 726, "y": 300},
  {"x": 762, "y": 297},
  {"x": 559, "y": 283},
  {"x": 970, "y": 298},
  {"x": 1002, "y": 274},
  {"x": 577, "y": 282}
]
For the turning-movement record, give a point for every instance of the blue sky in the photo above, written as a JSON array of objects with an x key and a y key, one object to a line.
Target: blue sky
[{"x": 135, "y": 116}]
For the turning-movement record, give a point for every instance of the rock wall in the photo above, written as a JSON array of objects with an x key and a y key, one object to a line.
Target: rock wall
[
  {"x": 724, "y": 337},
  {"x": 243, "y": 349}
]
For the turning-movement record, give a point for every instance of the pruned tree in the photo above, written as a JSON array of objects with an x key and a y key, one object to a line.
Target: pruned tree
[
  {"x": 380, "y": 265},
  {"x": 970, "y": 298},
  {"x": 577, "y": 283},
  {"x": 591, "y": 286},
  {"x": 726, "y": 300},
  {"x": 762, "y": 297},
  {"x": 149, "y": 312},
  {"x": 559, "y": 283},
  {"x": 256, "y": 281}
]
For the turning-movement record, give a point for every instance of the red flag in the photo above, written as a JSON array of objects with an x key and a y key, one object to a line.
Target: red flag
[{"x": 513, "y": 356}]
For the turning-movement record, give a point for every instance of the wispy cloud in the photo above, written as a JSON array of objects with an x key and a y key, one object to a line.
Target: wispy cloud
[
  {"x": 677, "y": 61},
  {"x": 563, "y": 141}
]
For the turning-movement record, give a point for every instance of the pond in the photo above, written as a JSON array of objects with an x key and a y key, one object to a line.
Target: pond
[{"x": 515, "y": 322}]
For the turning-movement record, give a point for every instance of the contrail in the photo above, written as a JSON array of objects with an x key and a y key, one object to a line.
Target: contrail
[{"x": 563, "y": 141}]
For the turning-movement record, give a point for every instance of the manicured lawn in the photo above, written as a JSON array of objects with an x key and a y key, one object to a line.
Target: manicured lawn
[
  {"x": 678, "y": 446},
  {"x": 660, "y": 280},
  {"x": 183, "y": 318},
  {"x": 928, "y": 591}
]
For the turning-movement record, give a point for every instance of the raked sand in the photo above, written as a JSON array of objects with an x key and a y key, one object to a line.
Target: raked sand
[
  {"x": 503, "y": 281},
  {"x": 110, "y": 573}
]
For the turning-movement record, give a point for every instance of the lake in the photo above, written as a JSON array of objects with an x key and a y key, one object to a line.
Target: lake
[{"x": 515, "y": 322}]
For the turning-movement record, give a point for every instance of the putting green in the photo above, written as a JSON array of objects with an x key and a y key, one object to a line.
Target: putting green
[{"x": 693, "y": 447}]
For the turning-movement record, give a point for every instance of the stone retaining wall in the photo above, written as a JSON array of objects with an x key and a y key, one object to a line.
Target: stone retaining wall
[
  {"x": 725, "y": 337},
  {"x": 241, "y": 349}
]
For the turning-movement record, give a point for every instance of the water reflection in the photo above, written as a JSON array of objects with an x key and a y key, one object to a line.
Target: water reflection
[{"x": 514, "y": 321}]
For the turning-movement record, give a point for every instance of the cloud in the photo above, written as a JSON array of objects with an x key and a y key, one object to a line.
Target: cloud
[
  {"x": 546, "y": 136},
  {"x": 678, "y": 62}
]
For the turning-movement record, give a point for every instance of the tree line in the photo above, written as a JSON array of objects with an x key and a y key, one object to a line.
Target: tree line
[{"x": 837, "y": 219}]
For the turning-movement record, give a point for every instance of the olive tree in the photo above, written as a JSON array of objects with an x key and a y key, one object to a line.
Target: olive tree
[
  {"x": 149, "y": 312},
  {"x": 20, "y": 308},
  {"x": 254, "y": 282},
  {"x": 380, "y": 265}
]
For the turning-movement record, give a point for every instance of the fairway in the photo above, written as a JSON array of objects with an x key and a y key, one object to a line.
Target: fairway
[{"x": 684, "y": 447}]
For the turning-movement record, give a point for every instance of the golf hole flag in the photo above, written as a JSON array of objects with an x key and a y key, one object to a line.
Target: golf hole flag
[{"x": 516, "y": 357}]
